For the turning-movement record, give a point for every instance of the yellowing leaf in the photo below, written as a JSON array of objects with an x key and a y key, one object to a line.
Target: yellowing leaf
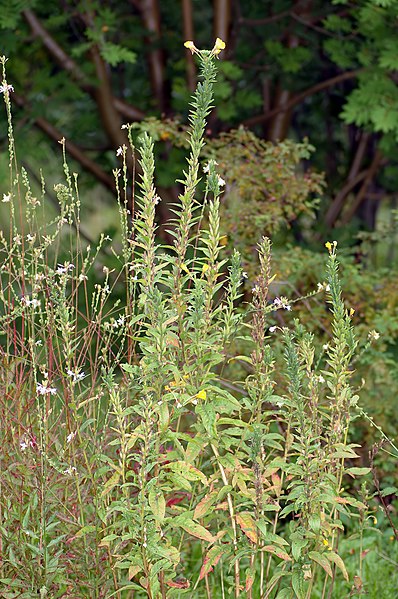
[
  {"x": 196, "y": 530},
  {"x": 211, "y": 559},
  {"x": 248, "y": 526},
  {"x": 277, "y": 551},
  {"x": 322, "y": 560},
  {"x": 336, "y": 559},
  {"x": 204, "y": 505},
  {"x": 111, "y": 484}
]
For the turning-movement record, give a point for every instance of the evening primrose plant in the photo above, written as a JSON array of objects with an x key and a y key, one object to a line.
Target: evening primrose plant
[{"x": 131, "y": 464}]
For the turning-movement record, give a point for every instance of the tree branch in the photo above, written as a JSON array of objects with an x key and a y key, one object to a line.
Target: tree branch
[
  {"x": 262, "y": 118},
  {"x": 188, "y": 34},
  {"x": 72, "y": 149},
  {"x": 68, "y": 64},
  {"x": 150, "y": 13}
]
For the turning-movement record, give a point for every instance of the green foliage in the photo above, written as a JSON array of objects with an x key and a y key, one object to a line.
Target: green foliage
[{"x": 130, "y": 463}]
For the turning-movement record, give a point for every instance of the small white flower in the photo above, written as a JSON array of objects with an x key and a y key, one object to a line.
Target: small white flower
[
  {"x": 373, "y": 335},
  {"x": 30, "y": 238},
  {"x": 272, "y": 329},
  {"x": 178, "y": 404},
  {"x": 325, "y": 347},
  {"x": 6, "y": 88},
  {"x": 121, "y": 150},
  {"x": 124, "y": 127},
  {"x": 35, "y": 303},
  {"x": 156, "y": 200},
  {"x": 6, "y": 197},
  {"x": 71, "y": 436},
  {"x": 23, "y": 445},
  {"x": 44, "y": 389},
  {"x": 221, "y": 181},
  {"x": 282, "y": 302},
  {"x": 64, "y": 268},
  {"x": 76, "y": 376},
  {"x": 321, "y": 379},
  {"x": 70, "y": 471},
  {"x": 82, "y": 277},
  {"x": 244, "y": 274}
]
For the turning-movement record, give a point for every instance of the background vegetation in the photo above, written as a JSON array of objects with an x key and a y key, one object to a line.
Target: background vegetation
[{"x": 303, "y": 135}]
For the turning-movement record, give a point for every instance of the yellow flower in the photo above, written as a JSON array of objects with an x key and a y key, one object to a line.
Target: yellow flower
[
  {"x": 201, "y": 394},
  {"x": 218, "y": 46},
  {"x": 325, "y": 542},
  {"x": 205, "y": 268},
  {"x": 191, "y": 46},
  {"x": 331, "y": 246}
]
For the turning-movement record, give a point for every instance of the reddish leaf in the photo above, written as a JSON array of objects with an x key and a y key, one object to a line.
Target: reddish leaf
[
  {"x": 196, "y": 530},
  {"x": 211, "y": 559},
  {"x": 248, "y": 526},
  {"x": 204, "y": 505},
  {"x": 277, "y": 551},
  {"x": 178, "y": 584}
]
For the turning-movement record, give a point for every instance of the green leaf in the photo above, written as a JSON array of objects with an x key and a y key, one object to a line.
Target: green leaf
[
  {"x": 204, "y": 505},
  {"x": 298, "y": 584},
  {"x": 194, "y": 529},
  {"x": 113, "y": 54},
  {"x": 157, "y": 504},
  {"x": 211, "y": 559},
  {"x": 357, "y": 471},
  {"x": 320, "y": 559},
  {"x": 336, "y": 559}
]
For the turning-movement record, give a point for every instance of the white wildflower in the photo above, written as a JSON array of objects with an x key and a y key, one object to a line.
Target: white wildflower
[
  {"x": 321, "y": 379},
  {"x": 272, "y": 329},
  {"x": 70, "y": 471},
  {"x": 282, "y": 303},
  {"x": 71, "y": 436},
  {"x": 76, "y": 376},
  {"x": 6, "y": 88},
  {"x": 244, "y": 274},
  {"x": 121, "y": 150},
  {"x": 44, "y": 389},
  {"x": 64, "y": 268},
  {"x": 23, "y": 444},
  {"x": 6, "y": 197},
  {"x": 373, "y": 335},
  {"x": 221, "y": 181}
]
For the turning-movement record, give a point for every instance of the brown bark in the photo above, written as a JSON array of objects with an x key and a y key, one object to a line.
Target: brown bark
[
  {"x": 66, "y": 62},
  {"x": 150, "y": 13},
  {"x": 354, "y": 177},
  {"x": 188, "y": 34},
  {"x": 370, "y": 174},
  {"x": 222, "y": 19},
  {"x": 279, "y": 126}
]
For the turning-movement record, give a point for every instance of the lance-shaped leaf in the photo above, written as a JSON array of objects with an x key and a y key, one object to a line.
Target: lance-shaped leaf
[
  {"x": 211, "y": 559},
  {"x": 248, "y": 525},
  {"x": 205, "y": 504}
]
